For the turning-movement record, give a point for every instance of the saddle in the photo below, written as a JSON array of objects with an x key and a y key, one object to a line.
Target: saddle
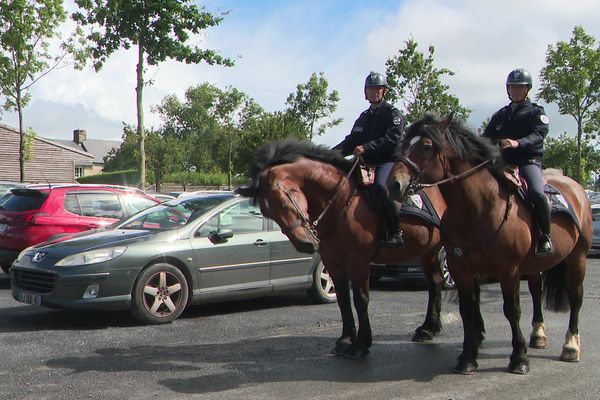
[{"x": 558, "y": 202}]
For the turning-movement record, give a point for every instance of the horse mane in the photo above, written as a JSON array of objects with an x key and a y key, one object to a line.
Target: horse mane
[
  {"x": 289, "y": 151},
  {"x": 462, "y": 138}
]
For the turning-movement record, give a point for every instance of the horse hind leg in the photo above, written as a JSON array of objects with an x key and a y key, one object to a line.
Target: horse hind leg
[
  {"x": 538, "y": 338},
  {"x": 360, "y": 347},
  {"x": 432, "y": 324}
]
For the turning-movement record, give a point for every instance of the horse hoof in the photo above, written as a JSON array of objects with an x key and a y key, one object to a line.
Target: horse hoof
[
  {"x": 422, "y": 335},
  {"x": 340, "y": 349},
  {"x": 465, "y": 368},
  {"x": 356, "y": 353},
  {"x": 521, "y": 368},
  {"x": 569, "y": 355},
  {"x": 538, "y": 342}
]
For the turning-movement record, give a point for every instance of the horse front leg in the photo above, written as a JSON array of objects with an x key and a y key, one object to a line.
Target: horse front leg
[
  {"x": 472, "y": 328},
  {"x": 519, "y": 362},
  {"x": 538, "y": 338},
  {"x": 360, "y": 347},
  {"x": 432, "y": 324},
  {"x": 342, "y": 291}
]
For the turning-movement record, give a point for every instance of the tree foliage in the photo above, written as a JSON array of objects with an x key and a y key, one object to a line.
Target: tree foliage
[
  {"x": 571, "y": 79},
  {"x": 562, "y": 153},
  {"x": 416, "y": 85},
  {"x": 312, "y": 105},
  {"x": 26, "y": 29},
  {"x": 160, "y": 29}
]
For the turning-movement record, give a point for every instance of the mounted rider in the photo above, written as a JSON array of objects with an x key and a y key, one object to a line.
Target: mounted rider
[
  {"x": 520, "y": 129},
  {"x": 375, "y": 135}
]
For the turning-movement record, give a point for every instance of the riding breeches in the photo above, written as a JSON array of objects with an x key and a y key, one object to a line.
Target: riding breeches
[{"x": 532, "y": 173}]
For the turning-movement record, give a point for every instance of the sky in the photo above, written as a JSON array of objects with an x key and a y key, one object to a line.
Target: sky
[{"x": 278, "y": 44}]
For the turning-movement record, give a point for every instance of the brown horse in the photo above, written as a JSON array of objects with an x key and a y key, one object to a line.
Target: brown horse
[
  {"x": 308, "y": 191},
  {"x": 488, "y": 229}
]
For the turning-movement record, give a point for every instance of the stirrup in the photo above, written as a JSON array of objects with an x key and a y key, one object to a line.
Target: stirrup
[{"x": 543, "y": 247}]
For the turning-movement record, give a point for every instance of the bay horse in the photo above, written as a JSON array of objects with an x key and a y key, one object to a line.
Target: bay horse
[
  {"x": 309, "y": 191},
  {"x": 488, "y": 229}
]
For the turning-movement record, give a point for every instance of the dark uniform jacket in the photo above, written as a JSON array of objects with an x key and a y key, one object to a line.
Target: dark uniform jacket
[
  {"x": 379, "y": 131},
  {"x": 527, "y": 123}
]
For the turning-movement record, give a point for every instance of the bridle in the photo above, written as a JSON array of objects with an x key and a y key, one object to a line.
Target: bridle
[
  {"x": 414, "y": 185},
  {"x": 304, "y": 220}
]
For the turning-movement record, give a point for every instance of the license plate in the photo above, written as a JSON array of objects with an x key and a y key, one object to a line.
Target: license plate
[{"x": 29, "y": 298}]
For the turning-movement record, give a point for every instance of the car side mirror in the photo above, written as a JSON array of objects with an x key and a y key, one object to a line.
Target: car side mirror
[{"x": 220, "y": 236}]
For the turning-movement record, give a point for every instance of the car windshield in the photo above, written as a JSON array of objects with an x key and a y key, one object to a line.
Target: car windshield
[
  {"x": 173, "y": 214},
  {"x": 23, "y": 200}
]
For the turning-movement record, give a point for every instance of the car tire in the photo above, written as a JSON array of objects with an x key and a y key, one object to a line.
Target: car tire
[
  {"x": 160, "y": 294},
  {"x": 322, "y": 290},
  {"x": 448, "y": 281}
]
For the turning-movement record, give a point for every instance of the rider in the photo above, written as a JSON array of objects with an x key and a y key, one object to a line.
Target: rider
[
  {"x": 520, "y": 129},
  {"x": 375, "y": 135}
]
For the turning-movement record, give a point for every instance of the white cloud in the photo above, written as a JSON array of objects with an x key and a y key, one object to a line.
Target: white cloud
[{"x": 280, "y": 46}]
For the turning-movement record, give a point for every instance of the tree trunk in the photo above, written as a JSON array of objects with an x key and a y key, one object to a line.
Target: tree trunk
[
  {"x": 140, "y": 115},
  {"x": 578, "y": 161},
  {"x": 22, "y": 175}
]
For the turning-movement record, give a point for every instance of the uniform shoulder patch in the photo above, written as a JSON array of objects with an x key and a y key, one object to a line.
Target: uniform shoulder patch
[
  {"x": 544, "y": 119},
  {"x": 397, "y": 120}
]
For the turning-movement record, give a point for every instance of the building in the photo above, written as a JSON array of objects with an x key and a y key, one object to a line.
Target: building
[
  {"x": 53, "y": 160},
  {"x": 99, "y": 148}
]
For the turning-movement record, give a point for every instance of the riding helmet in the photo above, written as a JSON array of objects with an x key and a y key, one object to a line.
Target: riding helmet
[
  {"x": 375, "y": 79},
  {"x": 519, "y": 76}
]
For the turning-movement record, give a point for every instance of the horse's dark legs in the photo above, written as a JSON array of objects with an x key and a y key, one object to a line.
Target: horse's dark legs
[
  {"x": 572, "y": 348},
  {"x": 538, "y": 339},
  {"x": 342, "y": 291},
  {"x": 360, "y": 347},
  {"x": 432, "y": 324},
  {"x": 519, "y": 362},
  {"x": 479, "y": 324},
  {"x": 472, "y": 325}
]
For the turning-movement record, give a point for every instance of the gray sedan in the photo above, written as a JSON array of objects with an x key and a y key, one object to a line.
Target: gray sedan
[{"x": 191, "y": 250}]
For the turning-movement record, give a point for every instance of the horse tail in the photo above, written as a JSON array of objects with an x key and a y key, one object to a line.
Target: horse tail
[{"x": 555, "y": 288}]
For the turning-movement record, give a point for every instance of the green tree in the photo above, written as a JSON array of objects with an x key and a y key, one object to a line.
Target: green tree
[
  {"x": 571, "y": 79},
  {"x": 26, "y": 30},
  {"x": 562, "y": 153},
  {"x": 416, "y": 86},
  {"x": 161, "y": 30},
  {"x": 312, "y": 105}
]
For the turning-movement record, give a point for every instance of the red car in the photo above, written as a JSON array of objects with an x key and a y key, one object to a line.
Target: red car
[{"x": 39, "y": 212}]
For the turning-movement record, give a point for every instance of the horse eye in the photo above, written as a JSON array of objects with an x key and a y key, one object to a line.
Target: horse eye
[{"x": 427, "y": 144}]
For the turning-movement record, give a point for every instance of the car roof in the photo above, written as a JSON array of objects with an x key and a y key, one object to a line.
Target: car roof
[{"x": 52, "y": 186}]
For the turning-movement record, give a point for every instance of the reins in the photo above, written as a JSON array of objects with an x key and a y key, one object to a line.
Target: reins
[{"x": 305, "y": 221}]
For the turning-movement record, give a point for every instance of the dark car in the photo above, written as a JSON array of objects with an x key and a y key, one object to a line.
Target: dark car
[
  {"x": 595, "y": 250},
  {"x": 39, "y": 212},
  {"x": 194, "y": 249},
  {"x": 410, "y": 271}
]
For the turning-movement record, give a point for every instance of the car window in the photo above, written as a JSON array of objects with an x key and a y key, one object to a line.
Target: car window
[
  {"x": 24, "y": 200},
  {"x": 596, "y": 214},
  {"x": 137, "y": 203},
  {"x": 161, "y": 220},
  {"x": 94, "y": 204},
  {"x": 243, "y": 217}
]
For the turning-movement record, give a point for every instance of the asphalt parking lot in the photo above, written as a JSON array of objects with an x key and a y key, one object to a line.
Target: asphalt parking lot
[{"x": 278, "y": 348}]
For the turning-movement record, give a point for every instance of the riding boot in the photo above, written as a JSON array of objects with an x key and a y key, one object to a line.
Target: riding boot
[
  {"x": 391, "y": 234},
  {"x": 543, "y": 247}
]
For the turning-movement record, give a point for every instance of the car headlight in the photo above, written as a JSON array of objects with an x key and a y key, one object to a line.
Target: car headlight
[
  {"x": 22, "y": 253},
  {"x": 92, "y": 257}
]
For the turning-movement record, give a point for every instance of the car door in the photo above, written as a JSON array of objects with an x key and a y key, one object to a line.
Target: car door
[
  {"x": 232, "y": 253},
  {"x": 288, "y": 266}
]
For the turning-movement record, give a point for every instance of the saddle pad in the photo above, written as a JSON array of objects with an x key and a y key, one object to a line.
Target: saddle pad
[
  {"x": 559, "y": 203},
  {"x": 420, "y": 205}
]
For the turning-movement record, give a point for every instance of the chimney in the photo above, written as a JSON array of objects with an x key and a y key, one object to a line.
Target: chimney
[{"x": 79, "y": 136}]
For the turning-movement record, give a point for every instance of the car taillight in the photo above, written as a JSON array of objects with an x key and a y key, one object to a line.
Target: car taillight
[{"x": 35, "y": 218}]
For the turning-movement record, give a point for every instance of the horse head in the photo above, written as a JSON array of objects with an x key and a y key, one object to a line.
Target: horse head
[
  {"x": 423, "y": 156},
  {"x": 280, "y": 174}
]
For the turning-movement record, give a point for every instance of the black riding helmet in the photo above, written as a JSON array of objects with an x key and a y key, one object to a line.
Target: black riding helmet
[
  {"x": 375, "y": 79},
  {"x": 519, "y": 76}
]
